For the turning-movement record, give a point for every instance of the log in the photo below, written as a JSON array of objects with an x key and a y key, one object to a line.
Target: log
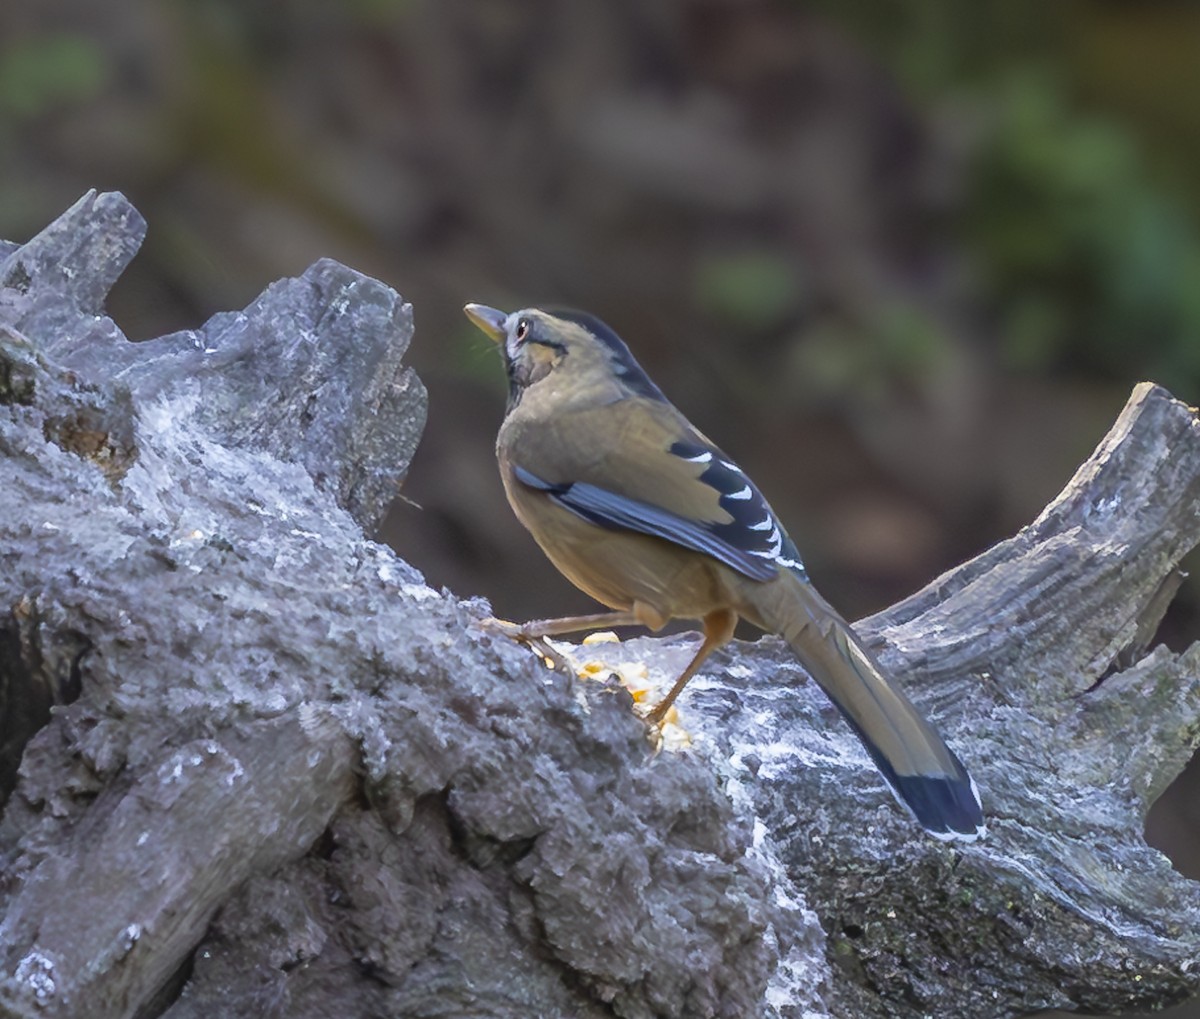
[{"x": 254, "y": 766}]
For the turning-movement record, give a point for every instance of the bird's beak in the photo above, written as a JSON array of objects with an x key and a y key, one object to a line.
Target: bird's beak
[{"x": 489, "y": 320}]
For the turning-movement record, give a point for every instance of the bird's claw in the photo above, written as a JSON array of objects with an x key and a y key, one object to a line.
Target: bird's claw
[
  {"x": 553, "y": 658},
  {"x": 653, "y": 715},
  {"x": 504, "y": 628}
]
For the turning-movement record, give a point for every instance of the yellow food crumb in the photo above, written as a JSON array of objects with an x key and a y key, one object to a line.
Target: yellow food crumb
[
  {"x": 635, "y": 678},
  {"x": 674, "y": 736},
  {"x": 602, "y": 637}
]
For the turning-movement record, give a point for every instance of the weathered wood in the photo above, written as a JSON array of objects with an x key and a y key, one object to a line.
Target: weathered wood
[
  {"x": 282, "y": 776},
  {"x": 106, "y": 918}
]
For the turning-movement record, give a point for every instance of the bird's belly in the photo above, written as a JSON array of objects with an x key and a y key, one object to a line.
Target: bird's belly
[{"x": 619, "y": 568}]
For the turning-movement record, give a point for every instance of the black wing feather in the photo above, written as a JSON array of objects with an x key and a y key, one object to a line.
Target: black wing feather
[{"x": 754, "y": 529}]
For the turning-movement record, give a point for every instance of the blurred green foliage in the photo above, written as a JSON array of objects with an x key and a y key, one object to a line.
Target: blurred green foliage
[
  {"x": 1081, "y": 231},
  {"x": 900, "y": 347},
  {"x": 751, "y": 290},
  {"x": 41, "y": 73},
  {"x": 1089, "y": 261}
]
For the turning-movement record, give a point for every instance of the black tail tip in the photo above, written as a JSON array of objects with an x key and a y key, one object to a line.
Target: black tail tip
[{"x": 947, "y": 806}]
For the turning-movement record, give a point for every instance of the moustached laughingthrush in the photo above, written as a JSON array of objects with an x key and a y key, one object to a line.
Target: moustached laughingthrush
[{"x": 641, "y": 511}]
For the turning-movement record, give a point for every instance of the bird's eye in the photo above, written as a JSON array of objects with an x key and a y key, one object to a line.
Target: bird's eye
[{"x": 522, "y": 330}]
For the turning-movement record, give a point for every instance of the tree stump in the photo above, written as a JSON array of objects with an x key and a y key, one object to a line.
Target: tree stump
[{"x": 254, "y": 766}]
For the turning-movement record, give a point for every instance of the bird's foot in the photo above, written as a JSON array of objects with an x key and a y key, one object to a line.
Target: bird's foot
[
  {"x": 550, "y": 656},
  {"x": 664, "y": 729},
  {"x": 656, "y": 714},
  {"x": 504, "y": 628}
]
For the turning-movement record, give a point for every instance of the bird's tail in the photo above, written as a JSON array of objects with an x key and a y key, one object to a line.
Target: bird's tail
[{"x": 923, "y": 772}]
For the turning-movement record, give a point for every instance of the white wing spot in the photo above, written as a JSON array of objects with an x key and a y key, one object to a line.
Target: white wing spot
[
  {"x": 764, "y": 525},
  {"x": 731, "y": 467},
  {"x": 699, "y": 458},
  {"x": 745, "y": 493}
]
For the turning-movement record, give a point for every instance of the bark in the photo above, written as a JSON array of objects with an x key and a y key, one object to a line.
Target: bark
[{"x": 256, "y": 767}]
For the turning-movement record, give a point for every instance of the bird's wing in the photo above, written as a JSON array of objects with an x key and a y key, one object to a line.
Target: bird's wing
[
  {"x": 607, "y": 509},
  {"x": 663, "y": 478}
]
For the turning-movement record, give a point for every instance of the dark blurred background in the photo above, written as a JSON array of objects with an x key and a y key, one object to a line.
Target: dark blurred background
[{"x": 903, "y": 261}]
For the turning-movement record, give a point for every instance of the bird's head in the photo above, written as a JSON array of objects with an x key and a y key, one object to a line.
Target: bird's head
[{"x": 573, "y": 349}]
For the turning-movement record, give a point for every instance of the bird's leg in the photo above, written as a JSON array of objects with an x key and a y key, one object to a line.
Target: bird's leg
[
  {"x": 718, "y": 630},
  {"x": 536, "y": 628},
  {"x": 574, "y": 624},
  {"x": 531, "y": 633}
]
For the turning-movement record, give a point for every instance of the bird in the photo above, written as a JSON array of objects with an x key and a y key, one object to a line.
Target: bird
[{"x": 640, "y": 510}]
